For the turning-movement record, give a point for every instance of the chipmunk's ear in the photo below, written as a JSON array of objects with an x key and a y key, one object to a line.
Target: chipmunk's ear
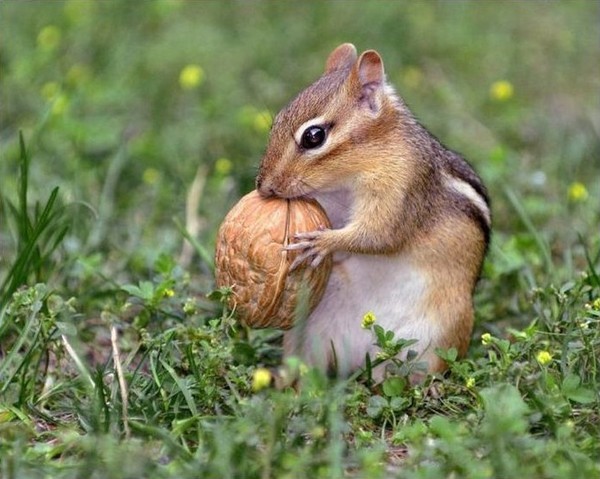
[
  {"x": 342, "y": 57},
  {"x": 369, "y": 77}
]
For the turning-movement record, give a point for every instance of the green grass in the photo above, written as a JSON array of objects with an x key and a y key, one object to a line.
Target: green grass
[{"x": 115, "y": 358}]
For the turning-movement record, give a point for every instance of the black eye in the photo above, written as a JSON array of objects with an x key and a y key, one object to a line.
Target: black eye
[{"x": 313, "y": 137}]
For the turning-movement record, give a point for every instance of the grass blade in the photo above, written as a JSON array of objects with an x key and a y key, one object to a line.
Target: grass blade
[{"x": 182, "y": 387}]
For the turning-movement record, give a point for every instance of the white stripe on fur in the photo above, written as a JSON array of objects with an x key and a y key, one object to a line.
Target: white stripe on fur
[{"x": 465, "y": 189}]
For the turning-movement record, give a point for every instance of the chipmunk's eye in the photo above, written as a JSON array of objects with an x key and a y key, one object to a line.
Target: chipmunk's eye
[{"x": 313, "y": 137}]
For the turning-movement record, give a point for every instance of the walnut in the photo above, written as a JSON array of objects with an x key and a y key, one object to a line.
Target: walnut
[{"x": 250, "y": 258}]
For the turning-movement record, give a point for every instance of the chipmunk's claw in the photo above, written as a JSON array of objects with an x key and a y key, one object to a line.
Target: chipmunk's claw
[{"x": 310, "y": 248}]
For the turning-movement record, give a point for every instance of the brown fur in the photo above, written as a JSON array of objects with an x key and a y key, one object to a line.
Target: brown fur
[{"x": 398, "y": 175}]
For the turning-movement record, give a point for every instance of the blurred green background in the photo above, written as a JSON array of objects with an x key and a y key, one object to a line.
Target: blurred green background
[
  {"x": 122, "y": 103},
  {"x": 149, "y": 115}
]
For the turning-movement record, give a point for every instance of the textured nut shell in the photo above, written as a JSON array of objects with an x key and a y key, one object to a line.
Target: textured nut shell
[{"x": 250, "y": 258}]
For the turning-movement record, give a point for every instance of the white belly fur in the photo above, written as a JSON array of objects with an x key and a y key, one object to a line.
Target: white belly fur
[{"x": 389, "y": 286}]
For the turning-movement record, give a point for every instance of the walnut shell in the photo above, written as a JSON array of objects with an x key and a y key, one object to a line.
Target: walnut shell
[{"x": 250, "y": 258}]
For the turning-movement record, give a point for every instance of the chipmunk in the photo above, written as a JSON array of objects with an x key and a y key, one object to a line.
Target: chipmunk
[{"x": 410, "y": 218}]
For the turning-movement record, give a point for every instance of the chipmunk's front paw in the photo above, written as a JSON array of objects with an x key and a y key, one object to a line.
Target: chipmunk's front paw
[{"x": 311, "y": 247}]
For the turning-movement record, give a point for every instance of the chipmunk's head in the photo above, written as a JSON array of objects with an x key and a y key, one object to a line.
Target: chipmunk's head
[{"x": 319, "y": 140}]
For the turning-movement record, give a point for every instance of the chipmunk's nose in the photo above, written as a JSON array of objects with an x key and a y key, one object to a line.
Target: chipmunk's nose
[{"x": 263, "y": 187}]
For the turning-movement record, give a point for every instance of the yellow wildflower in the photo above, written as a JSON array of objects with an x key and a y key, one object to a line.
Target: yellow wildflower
[
  {"x": 368, "y": 320},
  {"x": 486, "y": 339},
  {"x": 151, "y": 176},
  {"x": 223, "y": 166},
  {"x": 60, "y": 105},
  {"x": 470, "y": 382},
  {"x": 50, "y": 90},
  {"x": 191, "y": 77},
  {"x": 261, "y": 378},
  {"x": 577, "y": 192},
  {"x": 543, "y": 357},
  {"x": 262, "y": 121},
  {"x": 168, "y": 293},
  {"x": 501, "y": 90},
  {"x": 49, "y": 37}
]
